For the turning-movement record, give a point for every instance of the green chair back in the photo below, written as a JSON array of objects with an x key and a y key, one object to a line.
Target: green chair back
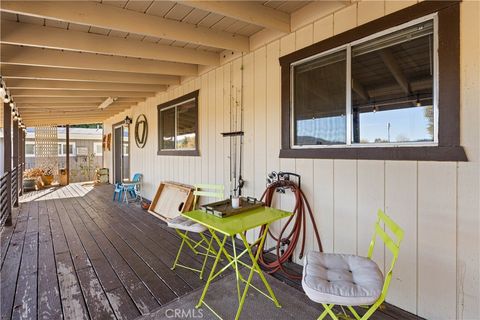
[
  {"x": 392, "y": 244},
  {"x": 208, "y": 190}
]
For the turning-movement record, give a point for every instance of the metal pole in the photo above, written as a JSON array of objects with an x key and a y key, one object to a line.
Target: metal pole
[
  {"x": 67, "y": 159},
  {"x": 15, "y": 158},
  {"x": 7, "y": 158}
]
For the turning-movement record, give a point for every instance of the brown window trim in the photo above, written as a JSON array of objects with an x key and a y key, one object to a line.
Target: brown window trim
[
  {"x": 448, "y": 148},
  {"x": 190, "y": 153}
]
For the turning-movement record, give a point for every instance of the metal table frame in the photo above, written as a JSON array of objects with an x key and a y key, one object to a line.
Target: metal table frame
[{"x": 229, "y": 228}]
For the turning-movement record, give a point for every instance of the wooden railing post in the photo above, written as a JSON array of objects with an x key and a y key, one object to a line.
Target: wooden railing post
[
  {"x": 7, "y": 158},
  {"x": 21, "y": 150},
  {"x": 67, "y": 159},
  {"x": 15, "y": 160}
]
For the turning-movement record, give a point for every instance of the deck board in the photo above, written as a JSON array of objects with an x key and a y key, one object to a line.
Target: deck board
[{"x": 72, "y": 253}]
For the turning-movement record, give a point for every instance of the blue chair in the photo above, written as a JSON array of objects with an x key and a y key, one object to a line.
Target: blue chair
[
  {"x": 118, "y": 190},
  {"x": 133, "y": 190}
]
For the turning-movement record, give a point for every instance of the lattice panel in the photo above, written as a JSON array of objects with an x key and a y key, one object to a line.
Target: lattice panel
[{"x": 46, "y": 148}]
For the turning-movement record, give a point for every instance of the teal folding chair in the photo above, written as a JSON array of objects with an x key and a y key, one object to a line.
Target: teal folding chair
[{"x": 184, "y": 226}]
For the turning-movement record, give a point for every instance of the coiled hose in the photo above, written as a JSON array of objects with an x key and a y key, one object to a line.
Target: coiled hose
[{"x": 299, "y": 228}]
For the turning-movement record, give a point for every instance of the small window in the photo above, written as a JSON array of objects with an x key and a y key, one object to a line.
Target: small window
[
  {"x": 98, "y": 149},
  {"x": 62, "y": 148},
  {"x": 178, "y": 134},
  {"x": 29, "y": 149}
]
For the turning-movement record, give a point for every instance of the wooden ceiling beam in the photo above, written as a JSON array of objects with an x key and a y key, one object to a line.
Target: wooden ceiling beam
[
  {"x": 109, "y": 17},
  {"x": 77, "y": 93},
  {"x": 17, "y": 55},
  {"x": 247, "y": 11},
  {"x": 47, "y": 73},
  {"x": 93, "y": 100},
  {"x": 54, "y": 106},
  {"x": 77, "y": 85},
  {"x": 55, "y": 38},
  {"x": 392, "y": 65}
]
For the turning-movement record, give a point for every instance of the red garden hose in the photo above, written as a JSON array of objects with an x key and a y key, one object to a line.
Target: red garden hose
[{"x": 299, "y": 221}]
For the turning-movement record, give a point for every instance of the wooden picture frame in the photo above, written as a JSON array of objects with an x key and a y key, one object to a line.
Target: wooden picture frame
[{"x": 170, "y": 200}]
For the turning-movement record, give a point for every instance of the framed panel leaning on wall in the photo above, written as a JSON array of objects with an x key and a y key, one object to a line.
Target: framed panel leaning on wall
[{"x": 178, "y": 126}]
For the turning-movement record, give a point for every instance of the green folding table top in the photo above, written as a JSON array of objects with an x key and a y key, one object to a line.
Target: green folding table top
[{"x": 237, "y": 223}]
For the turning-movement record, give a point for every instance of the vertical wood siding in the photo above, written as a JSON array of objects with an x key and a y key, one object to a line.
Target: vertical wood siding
[{"x": 437, "y": 275}]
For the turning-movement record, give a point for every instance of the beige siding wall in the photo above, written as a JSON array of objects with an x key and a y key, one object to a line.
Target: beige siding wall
[{"x": 437, "y": 275}]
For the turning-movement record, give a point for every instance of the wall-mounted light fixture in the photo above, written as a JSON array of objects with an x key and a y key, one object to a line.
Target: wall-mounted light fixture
[{"x": 127, "y": 121}]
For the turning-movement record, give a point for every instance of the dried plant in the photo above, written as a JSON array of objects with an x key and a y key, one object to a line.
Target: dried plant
[
  {"x": 33, "y": 173},
  {"x": 47, "y": 170}
]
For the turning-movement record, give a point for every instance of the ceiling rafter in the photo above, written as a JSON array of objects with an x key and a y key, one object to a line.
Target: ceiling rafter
[
  {"x": 74, "y": 60},
  {"x": 77, "y": 93},
  {"x": 68, "y": 100},
  {"x": 247, "y": 11},
  {"x": 49, "y": 73},
  {"x": 77, "y": 85},
  {"x": 110, "y": 17},
  {"x": 55, "y": 38}
]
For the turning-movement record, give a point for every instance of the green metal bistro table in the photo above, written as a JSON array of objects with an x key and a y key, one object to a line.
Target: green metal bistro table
[{"x": 227, "y": 228}]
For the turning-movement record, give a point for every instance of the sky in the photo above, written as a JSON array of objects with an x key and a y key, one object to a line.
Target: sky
[{"x": 409, "y": 123}]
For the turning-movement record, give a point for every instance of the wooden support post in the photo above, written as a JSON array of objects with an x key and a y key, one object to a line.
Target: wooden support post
[
  {"x": 67, "y": 156},
  {"x": 7, "y": 158},
  {"x": 15, "y": 159},
  {"x": 21, "y": 151}
]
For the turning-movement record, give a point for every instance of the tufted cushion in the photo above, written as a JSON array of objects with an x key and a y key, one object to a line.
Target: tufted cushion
[
  {"x": 341, "y": 279},
  {"x": 186, "y": 224}
]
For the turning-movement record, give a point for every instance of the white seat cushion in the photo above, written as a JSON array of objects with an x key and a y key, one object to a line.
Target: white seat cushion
[
  {"x": 341, "y": 279},
  {"x": 186, "y": 224}
]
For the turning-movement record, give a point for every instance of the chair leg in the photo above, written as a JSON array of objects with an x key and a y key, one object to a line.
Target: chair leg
[
  {"x": 328, "y": 310},
  {"x": 206, "y": 257},
  {"x": 178, "y": 254}
]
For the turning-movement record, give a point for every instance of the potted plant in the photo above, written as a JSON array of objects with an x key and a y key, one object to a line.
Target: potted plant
[
  {"x": 30, "y": 178},
  {"x": 47, "y": 176}
]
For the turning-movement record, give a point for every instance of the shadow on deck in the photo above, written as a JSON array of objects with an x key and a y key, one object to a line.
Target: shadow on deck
[{"x": 72, "y": 253}]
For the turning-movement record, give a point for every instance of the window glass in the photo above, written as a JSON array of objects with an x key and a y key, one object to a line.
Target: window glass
[
  {"x": 29, "y": 149},
  {"x": 97, "y": 148},
  {"x": 167, "y": 118},
  {"x": 186, "y": 125},
  {"x": 319, "y": 100},
  {"x": 392, "y": 87}
]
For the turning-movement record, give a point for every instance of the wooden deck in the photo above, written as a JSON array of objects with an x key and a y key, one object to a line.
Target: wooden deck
[{"x": 74, "y": 254}]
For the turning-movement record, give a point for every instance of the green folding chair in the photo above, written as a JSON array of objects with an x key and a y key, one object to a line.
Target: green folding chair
[
  {"x": 184, "y": 226},
  {"x": 350, "y": 280}
]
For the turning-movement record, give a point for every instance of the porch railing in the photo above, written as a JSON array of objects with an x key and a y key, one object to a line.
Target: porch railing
[
  {"x": 14, "y": 183},
  {"x": 4, "y": 206},
  {"x": 10, "y": 180}
]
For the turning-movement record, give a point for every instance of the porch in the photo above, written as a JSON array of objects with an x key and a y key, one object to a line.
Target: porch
[{"x": 73, "y": 253}]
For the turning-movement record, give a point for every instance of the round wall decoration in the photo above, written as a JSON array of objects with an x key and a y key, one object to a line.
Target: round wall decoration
[{"x": 141, "y": 131}]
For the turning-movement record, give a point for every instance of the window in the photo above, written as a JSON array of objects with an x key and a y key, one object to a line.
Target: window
[
  {"x": 375, "y": 92},
  {"x": 178, "y": 134},
  {"x": 29, "y": 149},
  {"x": 62, "y": 148},
  {"x": 98, "y": 149}
]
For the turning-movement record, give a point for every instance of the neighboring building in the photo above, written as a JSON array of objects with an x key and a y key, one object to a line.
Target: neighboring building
[{"x": 85, "y": 150}]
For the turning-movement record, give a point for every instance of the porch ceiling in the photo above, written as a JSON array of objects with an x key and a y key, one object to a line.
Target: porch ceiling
[{"x": 84, "y": 50}]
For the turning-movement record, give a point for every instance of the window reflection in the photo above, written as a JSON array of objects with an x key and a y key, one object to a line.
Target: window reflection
[
  {"x": 319, "y": 100},
  {"x": 392, "y": 87}
]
